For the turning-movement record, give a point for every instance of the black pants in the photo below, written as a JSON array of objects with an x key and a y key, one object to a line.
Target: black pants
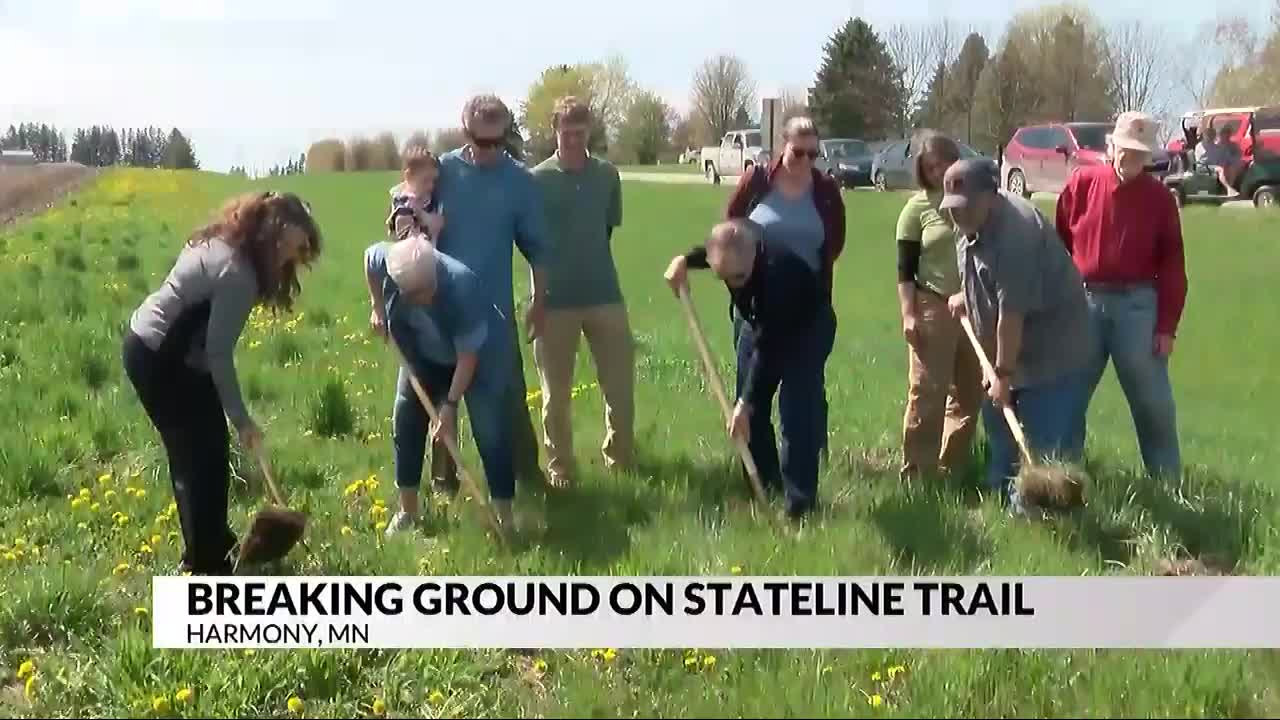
[{"x": 184, "y": 407}]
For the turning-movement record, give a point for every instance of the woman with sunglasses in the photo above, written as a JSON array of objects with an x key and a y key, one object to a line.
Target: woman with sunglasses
[
  {"x": 179, "y": 353},
  {"x": 944, "y": 377},
  {"x": 799, "y": 212}
]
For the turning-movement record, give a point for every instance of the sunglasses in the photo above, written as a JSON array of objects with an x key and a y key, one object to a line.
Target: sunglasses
[{"x": 799, "y": 154}]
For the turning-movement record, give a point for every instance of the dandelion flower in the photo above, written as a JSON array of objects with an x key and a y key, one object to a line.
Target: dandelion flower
[
  {"x": 250, "y": 652},
  {"x": 709, "y": 662},
  {"x": 109, "y": 495},
  {"x": 10, "y": 557},
  {"x": 183, "y": 696},
  {"x": 26, "y": 669},
  {"x": 609, "y": 655},
  {"x": 377, "y": 512},
  {"x": 95, "y": 507},
  {"x": 875, "y": 676},
  {"x": 380, "y": 526},
  {"x": 875, "y": 701},
  {"x": 691, "y": 662},
  {"x": 120, "y": 569},
  {"x": 29, "y": 690},
  {"x": 540, "y": 665},
  {"x": 346, "y": 531},
  {"x": 145, "y": 549},
  {"x": 379, "y": 707},
  {"x": 295, "y": 705},
  {"x": 82, "y": 526},
  {"x": 77, "y": 503},
  {"x": 19, "y": 542},
  {"x": 896, "y": 670},
  {"x": 736, "y": 570},
  {"x": 173, "y": 508},
  {"x": 155, "y": 540},
  {"x": 161, "y": 705},
  {"x": 141, "y": 612},
  {"x": 122, "y": 520},
  {"x": 353, "y": 489},
  {"x": 173, "y": 535},
  {"x": 436, "y": 697},
  {"x": 104, "y": 479},
  {"x": 140, "y": 493},
  {"x": 84, "y": 493},
  {"x": 129, "y": 491}
]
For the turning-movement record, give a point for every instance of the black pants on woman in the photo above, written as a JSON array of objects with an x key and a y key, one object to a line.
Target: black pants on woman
[{"x": 184, "y": 407}]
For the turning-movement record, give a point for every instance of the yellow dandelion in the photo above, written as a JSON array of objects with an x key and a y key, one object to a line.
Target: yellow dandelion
[
  {"x": 353, "y": 489},
  {"x": 173, "y": 508},
  {"x": 129, "y": 491},
  {"x": 173, "y": 535},
  {"x": 380, "y": 526},
  {"x": 161, "y": 705},
  {"x": 140, "y": 493},
  {"x": 77, "y": 503},
  {"x": 377, "y": 512},
  {"x": 436, "y": 697},
  {"x": 379, "y": 707},
  {"x": 145, "y": 549},
  {"x": 141, "y": 612},
  {"x": 875, "y": 700},
  {"x": 709, "y": 662},
  {"x": 371, "y": 482},
  {"x": 122, "y": 520},
  {"x": 10, "y": 557},
  {"x": 609, "y": 655},
  {"x": 183, "y": 696},
  {"x": 120, "y": 569},
  {"x": 691, "y": 662},
  {"x": 875, "y": 676},
  {"x": 250, "y": 652},
  {"x": 95, "y": 507},
  {"x": 19, "y": 542},
  {"x": 540, "y": 665},
  {"x": 109, "y": 495},
  {"x": 736, "y": 570},
  {"x": 104, "y": 479},
  {"x": 84, "y": 493},
  {"x": 26, "y": 669},
  {"x": 346, "y": 531},
  {"x": 896, "y": 670},
  {"x": 155, "y": 540},
  {"x": 295, "y": 705},
  {"x": 29, "y": 689}
]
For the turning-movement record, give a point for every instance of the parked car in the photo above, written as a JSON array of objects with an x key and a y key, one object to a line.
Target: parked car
[
  {"x": 847, "y": 160},
  {"x": 737, "y": 151},
  {"x": 1260, "y": 180},
  {"x": 1041, "y": 158},
  {"x": 894, "y": 167}
]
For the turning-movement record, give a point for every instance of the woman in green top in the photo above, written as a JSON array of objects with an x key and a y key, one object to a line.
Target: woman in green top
[{"x": 945, "y": 379}]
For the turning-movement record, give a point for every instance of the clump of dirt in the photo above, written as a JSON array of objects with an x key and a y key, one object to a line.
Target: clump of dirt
[
  {"x": 32, "y": 189},
  {"x": 1207, "y": 565}
]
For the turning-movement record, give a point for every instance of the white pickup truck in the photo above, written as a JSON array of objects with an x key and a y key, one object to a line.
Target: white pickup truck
[{"x": 737, "y": 151}]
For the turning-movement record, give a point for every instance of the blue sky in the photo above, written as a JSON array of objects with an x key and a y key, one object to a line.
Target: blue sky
[{"x": 254, "y": 82}]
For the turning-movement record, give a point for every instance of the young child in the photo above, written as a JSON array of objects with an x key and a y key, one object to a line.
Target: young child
[{"x": 413, "y": 204}]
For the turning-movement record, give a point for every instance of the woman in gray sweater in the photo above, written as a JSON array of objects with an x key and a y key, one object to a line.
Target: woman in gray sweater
[{"x": 179, "y": 353}]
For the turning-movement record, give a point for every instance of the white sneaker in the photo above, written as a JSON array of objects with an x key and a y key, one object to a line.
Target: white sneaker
[
  {"x": 506, "y": 517},
  {"x": 401, "y": 522}
]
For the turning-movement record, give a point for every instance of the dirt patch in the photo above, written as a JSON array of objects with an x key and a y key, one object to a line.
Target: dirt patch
[{"x": 26, "y": 190}]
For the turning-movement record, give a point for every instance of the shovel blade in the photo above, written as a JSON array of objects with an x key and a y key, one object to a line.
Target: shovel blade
[{"x": 272, "y": 534}]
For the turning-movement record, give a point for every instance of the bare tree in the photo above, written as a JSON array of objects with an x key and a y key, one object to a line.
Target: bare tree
[
  {"x": 611, "y": 91},
  {"x": 942, "y": 42},
  {"x": 792, "y": 102},
  {"x": 721, "y": 86},
  {"x": 1136, "y": 66},
  {"x": 912, "y": 53},
  {"x": 1199, "y": 65}
]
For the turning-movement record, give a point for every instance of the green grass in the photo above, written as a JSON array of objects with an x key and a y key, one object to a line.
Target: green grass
[
  {"x": 73, "y": 573},
  {"x": 666, "y": 167}
]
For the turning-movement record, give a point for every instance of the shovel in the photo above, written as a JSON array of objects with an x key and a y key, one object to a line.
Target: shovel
[
  {"x": 451, "y": 444},
  {"x": 1039, "y": 485},
  {"x": 713, "y": 376},
  {"x": 274, "y": 529}
]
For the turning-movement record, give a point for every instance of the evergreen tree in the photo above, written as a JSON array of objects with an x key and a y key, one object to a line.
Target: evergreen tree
[
  {"x": 856, "y": 91},
  {"x": 964, "y": 76},
  {"x": 178, "y": 152}
]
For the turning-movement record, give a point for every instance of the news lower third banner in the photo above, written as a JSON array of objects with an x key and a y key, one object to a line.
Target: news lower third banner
[{"x": 716, "y": 612}]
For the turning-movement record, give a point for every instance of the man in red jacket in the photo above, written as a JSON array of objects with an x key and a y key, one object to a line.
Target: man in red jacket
[{"x": 1123, "y": 230}]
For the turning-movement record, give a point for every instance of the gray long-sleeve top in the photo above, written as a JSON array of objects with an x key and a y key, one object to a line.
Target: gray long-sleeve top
[{"x": 216, "y": 274}]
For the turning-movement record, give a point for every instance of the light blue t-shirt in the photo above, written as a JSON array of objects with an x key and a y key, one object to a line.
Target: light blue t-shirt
[
  {"x": 488, "y": 210},
  {"x": 792, "y": 223},
  {"x": 459, "y": 318}
]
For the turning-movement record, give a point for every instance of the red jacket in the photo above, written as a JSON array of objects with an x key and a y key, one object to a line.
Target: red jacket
[
  {"x": 1126, "y": 234},
  {"x": 753, "y": 185}
]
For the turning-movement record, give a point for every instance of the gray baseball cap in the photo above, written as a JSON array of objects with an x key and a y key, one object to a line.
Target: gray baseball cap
[{"x": 966, "y": 179}]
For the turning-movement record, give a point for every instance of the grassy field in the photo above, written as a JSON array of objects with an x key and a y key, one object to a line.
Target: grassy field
[
  {"x": 86, "y": 517},
  {"x": 671, "y": 167}
]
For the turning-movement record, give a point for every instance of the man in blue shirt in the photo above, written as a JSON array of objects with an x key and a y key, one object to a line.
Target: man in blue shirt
[
  {"x": 492, "y": 205},
  {"x": 459, "y": 346}
]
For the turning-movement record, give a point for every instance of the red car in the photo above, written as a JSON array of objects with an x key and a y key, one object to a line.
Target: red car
[{"x": 1040, "y": 158}]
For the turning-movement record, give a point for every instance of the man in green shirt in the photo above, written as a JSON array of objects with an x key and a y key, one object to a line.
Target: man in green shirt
[
  {"x": 944, "y": 378},
  {"x": 583, "y": 200}
]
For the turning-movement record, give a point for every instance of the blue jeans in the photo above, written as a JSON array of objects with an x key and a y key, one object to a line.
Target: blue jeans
[
  {"x": 1051, "y": 415},
  {"x": 1124, "y": 326},
  {"x": 488, "y": 411},
  {"x": 800, "y": 370}
]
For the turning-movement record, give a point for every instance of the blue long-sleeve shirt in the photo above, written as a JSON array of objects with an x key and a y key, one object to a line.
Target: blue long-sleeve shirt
[{"x": 489, "y": 210}]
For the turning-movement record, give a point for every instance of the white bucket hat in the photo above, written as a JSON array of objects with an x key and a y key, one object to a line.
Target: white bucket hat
[
  {"x": 1135, "y": 131},
  {"x": 411, "y": 263}
]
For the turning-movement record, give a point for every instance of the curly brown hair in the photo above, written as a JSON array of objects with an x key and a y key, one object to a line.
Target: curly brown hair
[{"x": 254, "y": 223}]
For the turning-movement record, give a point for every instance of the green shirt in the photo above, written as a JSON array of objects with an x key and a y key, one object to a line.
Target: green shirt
[
  {"x": 920, "y": 221},
  {"x": 582, "y": 207}
]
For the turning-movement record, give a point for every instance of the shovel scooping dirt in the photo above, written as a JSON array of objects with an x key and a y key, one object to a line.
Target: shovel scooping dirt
[{"x": 274, "y": 530}]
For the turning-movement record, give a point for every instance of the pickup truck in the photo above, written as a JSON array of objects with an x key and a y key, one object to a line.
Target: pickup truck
[{"x": 737, "y": 151}]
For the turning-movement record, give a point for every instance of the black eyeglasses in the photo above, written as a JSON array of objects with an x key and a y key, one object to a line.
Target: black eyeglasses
[{"x": 802, "y": 154}]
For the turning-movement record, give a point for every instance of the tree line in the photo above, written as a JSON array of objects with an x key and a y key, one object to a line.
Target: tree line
[{"x": 104, "y": 146}]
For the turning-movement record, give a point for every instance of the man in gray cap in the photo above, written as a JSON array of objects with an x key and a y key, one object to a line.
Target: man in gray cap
[{"x": 1028, "y": 307}]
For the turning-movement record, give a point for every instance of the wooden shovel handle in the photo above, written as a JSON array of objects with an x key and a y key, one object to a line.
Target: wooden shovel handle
[
  {"x": 1010, "y": 417},
  {"x": 263, "y": 465},
  {"x": 450, "y": 444},
  {"x": 716, "y": 386}
]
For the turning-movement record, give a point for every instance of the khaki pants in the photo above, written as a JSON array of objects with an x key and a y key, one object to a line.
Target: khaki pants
[
  {"x": 944, "y": 395},
  {"x": 608, "y": 334}
]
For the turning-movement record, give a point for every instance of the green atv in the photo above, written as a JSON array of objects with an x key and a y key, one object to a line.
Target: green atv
[{"x": 1260, "y": 181}]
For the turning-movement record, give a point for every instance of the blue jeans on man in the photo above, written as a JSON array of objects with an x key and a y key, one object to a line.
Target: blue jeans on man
[
  {"x": 488, "y": 411},
  {"x": 1124, "y": 326},
  {"x": 1052, "y": 418},
  {"x": 799, "y": 378}
]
